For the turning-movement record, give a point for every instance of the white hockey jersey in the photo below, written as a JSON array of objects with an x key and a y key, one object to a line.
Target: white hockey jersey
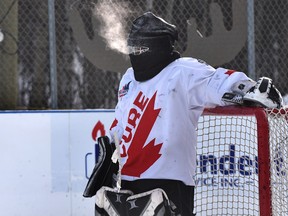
[{"x": 156, "y": 120}]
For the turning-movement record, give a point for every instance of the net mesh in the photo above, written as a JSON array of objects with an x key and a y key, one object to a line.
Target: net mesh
[
  {"x": 278, "y": 126},
  {"x": 227, "y": 176}
]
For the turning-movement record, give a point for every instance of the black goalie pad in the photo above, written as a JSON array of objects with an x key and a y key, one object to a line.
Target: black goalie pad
[
  {"x": 105, "y": 170},
  {"x": 150, "y": 203},
  {"x": 123, "y": 202}
]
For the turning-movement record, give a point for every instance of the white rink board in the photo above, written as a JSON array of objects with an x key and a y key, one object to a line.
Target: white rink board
[
  {"x": 42, "y": 161},
  {"x": 45, "y": 158}
]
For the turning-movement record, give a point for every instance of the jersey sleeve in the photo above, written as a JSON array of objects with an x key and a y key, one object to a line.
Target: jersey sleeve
[
  {"x": 116, "y": 127},
  {"x": 208, "y": 85},
  {"x": 224, "y": 80}
]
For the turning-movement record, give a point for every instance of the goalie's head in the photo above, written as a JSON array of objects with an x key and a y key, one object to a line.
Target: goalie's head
[
  {"x": 153, "y": 32},
  {"x": 151, "y": 45},
  {"x": 265, "y": 94}
]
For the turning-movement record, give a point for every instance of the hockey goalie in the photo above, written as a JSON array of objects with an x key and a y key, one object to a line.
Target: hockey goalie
[{"x": 153, "y": 137}]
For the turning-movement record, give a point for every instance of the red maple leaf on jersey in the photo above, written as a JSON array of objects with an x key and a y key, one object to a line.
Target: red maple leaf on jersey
[{"x": 141, "y": 157}]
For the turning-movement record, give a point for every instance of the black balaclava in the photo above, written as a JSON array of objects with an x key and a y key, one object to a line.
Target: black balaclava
[{"x": 151, "y": 45}]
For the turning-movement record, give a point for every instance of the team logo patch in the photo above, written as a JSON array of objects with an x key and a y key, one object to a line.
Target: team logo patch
[
  {"x": 229, "y": 72},
  {"x": 124, "y": 90}
]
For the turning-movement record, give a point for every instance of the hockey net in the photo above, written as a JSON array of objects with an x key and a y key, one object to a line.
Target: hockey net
[{"x": 242, "y": 164}]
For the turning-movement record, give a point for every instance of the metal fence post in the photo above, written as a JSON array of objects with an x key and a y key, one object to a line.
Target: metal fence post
[
  {"x": 52, "y": 55},
  {"x": 251, "y": 39}
]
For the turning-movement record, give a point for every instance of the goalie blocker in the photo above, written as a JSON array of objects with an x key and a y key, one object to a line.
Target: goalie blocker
[{"x": 105, "y": 171}]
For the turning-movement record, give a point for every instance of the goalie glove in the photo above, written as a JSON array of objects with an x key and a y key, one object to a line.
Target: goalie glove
[
  {"x": 264, "y": 93},
  {"x": 233, "y": 98}
]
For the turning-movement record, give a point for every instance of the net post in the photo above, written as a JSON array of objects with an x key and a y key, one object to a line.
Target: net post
[{"x": 265, "y": 195}]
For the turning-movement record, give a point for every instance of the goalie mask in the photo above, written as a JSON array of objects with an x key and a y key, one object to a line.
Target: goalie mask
[
  {"x": 151, "y": 45},
  {"x": 265, "y": 94}
]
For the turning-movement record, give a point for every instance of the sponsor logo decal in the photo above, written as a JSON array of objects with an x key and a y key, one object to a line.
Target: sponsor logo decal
[{"x": 124, "y": 90}]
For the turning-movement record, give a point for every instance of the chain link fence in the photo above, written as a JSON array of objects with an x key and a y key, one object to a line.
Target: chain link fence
[{"x": 70, "y": 54}]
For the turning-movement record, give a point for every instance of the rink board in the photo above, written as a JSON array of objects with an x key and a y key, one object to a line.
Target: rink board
[{"x": 47, "y": 156}]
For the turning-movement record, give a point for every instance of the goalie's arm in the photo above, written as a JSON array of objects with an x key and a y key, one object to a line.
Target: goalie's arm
[{"x": 227, "y": 83}]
